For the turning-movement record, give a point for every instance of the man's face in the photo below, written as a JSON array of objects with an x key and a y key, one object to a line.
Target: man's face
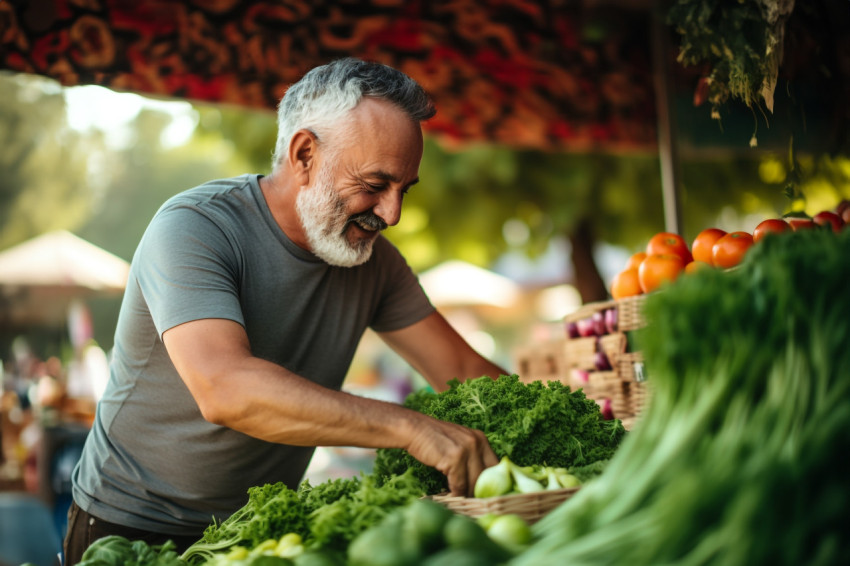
[
  {"x": 326, "y": 219},
  {"x": 359, "y": 188}
]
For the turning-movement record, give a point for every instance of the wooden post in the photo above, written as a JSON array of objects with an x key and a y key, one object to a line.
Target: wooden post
[{"x": 667, "y": 150}]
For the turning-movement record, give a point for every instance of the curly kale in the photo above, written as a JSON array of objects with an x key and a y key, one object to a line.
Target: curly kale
[{"x": 533, "y": 423}]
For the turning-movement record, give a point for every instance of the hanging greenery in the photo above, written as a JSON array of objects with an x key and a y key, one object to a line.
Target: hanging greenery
[{"x": 741, "y": 41}]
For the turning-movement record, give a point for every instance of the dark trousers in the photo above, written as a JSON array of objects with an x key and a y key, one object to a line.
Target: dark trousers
[{"x": 84, "y": 529}]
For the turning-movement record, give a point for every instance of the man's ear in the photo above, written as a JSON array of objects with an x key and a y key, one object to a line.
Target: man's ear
[{"x": 302, "y": 155}]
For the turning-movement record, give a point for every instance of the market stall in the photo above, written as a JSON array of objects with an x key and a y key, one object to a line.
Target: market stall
[
  {"x": 742, "y": 435},
  {"x": 699, "y": 418}
]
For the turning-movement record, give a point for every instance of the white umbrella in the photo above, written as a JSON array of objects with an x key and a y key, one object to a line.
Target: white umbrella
[
  {"x": 457, "y": 283},
  {"x": 61, "y": 259},
  {"x": 41, "y": 277}
]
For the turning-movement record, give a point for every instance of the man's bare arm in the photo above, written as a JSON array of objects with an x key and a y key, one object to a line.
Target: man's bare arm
[
  {"x": 235, "y": 389},
  {"x": 438, "y": 352}
]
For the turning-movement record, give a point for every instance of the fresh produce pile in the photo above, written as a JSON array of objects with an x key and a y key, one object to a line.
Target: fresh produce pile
[
  {"x": 741, "y": 459},
  {"x": 119, "y": 551},
  {"x": 532, "y": 424},
  {"x": 326, "y": 517},
  {"x": 668, "y": 255},
  {"x": 427, "y": 534},
  {"x": 506, "y": 478}
]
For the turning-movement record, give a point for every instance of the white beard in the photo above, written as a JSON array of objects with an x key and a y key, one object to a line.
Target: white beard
[{"x": 324, "y": 218}]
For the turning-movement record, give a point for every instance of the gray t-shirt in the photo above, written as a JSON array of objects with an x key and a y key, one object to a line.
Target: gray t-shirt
[{"x": 151, "y": 461}]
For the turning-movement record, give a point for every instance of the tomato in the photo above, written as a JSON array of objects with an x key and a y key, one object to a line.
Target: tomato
[
  {"x": 658, "y": 269},
  {"x": 730, "y": 249},
  {"x": 696, "y": 265},
  {"x": 799, "y": 223},
  {"x": 668, "y": 243},
  {"x": 704, "y": 242},
  {"x": 842, "y": 206},
  {"x": 829, "y": 218},
  {"x": 769, "y": 226},
  {"x": 626, "y": 284},
  {"x": 845, "y": 215},
  {"x": 634, "y": 260}
]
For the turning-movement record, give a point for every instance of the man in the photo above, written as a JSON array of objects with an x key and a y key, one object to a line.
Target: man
[{"x": 245, "y": 303}]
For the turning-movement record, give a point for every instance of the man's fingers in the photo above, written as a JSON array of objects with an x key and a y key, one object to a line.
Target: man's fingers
[{"x": 458, "y": 481}]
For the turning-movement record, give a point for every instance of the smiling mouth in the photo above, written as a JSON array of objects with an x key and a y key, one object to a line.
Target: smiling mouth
[{"x": 368, "y": 222}]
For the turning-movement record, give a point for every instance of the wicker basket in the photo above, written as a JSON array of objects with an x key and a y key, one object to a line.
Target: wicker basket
[
  {"x": 630, "y": 313},
  {"x": 530, "y": 506},
  {"x": 579, "y": 353}
]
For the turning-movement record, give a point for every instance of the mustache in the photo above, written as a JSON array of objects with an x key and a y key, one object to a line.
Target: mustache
[{"x": 369, "y": 219}]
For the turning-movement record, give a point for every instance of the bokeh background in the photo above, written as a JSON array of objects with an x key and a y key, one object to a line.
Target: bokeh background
[{"x": 567, "y": 133}]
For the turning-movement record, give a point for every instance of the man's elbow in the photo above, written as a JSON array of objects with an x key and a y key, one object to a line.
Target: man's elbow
[{"x": 215, "y": 403}]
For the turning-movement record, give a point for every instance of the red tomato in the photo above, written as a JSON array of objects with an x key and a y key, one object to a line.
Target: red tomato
[
  {"x": 669, "y": 243},
  {"x": 730, "y": 249},
  {"x": 826, "y": 217},
  {"x": 771, "y": 225},
  {"x": 798, "y": 223}
]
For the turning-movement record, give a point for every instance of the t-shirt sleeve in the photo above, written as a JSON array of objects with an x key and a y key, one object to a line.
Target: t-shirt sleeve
[
  {"x": 187, "y": 269},
  {"x": 403, "y": 301}
]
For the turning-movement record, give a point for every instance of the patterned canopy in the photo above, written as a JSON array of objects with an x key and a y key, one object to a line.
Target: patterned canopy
[{"x": 556, "y": 74}]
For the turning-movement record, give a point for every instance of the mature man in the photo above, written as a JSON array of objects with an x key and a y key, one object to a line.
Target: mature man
[{"x": 246, "y": 300}]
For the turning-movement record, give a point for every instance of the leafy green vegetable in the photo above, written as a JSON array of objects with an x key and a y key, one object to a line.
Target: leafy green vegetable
[
  {"x": 589, "y": 471},
  {"x": 533, "y": 423},
  {"x": 116, "y": 550},
  {"x": 272, "y": 511},
  {"x": 325, "y": 516},
  {"x": 336, "y": 523},
  {"x": 741, "y": 456}
]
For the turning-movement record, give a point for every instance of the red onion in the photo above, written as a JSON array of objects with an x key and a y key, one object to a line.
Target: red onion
[
  {"x": 581, "y": 376},
  {"x": 601, "y": 361},
  {"x": 586, "y": 327},
  {"x": 598, "y": 319},
  {"x": 611, "y": 320}
]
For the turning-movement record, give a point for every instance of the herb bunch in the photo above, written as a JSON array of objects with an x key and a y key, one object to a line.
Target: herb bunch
[{"x": 741, "y": 456}]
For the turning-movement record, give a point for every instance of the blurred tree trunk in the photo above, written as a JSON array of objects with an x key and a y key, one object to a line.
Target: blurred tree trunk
[{"x": 588, "y": 281}]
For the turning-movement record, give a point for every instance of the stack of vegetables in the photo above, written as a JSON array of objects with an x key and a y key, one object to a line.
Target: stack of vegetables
[
  {"x": 551, "y": 431},
  {"x": 532, "y": 424},
  {"x": 741, "y": 458}
]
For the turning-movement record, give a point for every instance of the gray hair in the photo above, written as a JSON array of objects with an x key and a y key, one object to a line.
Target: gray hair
[{"x": 327, "y": 93}]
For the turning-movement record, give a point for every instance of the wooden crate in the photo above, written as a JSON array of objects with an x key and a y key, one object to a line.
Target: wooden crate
[{"x": 624, "y": 386}]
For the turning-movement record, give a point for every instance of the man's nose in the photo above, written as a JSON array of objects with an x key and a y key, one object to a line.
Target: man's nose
[{"x": 389, "y": 207}]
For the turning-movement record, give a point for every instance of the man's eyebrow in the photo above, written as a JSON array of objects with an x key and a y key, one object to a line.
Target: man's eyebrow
[{"x": 387, "y": 176}]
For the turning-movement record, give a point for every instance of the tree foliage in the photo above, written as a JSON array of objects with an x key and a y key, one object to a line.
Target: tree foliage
[{"x": 44, "y": 165}]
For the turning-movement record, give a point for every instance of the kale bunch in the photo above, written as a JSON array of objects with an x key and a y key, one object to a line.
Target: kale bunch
[{"x": 530, "y": 423}]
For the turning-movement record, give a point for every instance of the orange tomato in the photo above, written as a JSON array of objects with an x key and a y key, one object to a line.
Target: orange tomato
[
  {"x": 668, "y": 243},
  {"x": 658, "y": 269},
  {"x": 771, "y": 225},
  {"x": 634, "y": 260},
  {"x": 695, "y": 266},
  {"x": 626, "y": 284},
  {"x": 704, "y": 242},
  {"x": 730, "y": 249}
]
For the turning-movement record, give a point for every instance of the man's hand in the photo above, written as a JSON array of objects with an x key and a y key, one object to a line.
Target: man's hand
[{"x": 458, "y": 452}]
